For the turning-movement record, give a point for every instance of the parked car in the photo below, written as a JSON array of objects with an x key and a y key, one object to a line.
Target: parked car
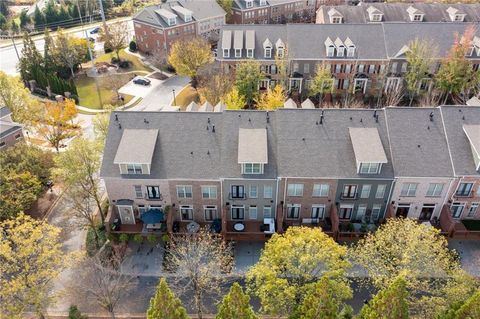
[
  {"x": 95, "y": 30},
  {"x": 91, "y": 39},
  {"x": 141, "y": 81}
]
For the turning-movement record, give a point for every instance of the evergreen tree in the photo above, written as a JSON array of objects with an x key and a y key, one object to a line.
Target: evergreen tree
[
  {"x": 30, "y": 57},
  {"x": 38, "y": 18},
  {"x": 235, "y": 305},
  {"x": 63, "y": 15},
  {"x": 50, "y": 12},
  {"x": 24, "y": 19},
  {"x": 48, "y": 62},
  {"x": 3, "y": 22},
  {"x": 4, "y": 10},
  {"x": 74, "y": 313},
  {"x": 165, "y": 305},
  {"x": 390, "y": 302}
]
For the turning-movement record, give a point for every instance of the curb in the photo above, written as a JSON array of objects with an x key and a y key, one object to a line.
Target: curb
[{"x": 49, "y": 211}]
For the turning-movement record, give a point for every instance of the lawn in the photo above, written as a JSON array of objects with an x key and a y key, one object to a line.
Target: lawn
[
  {"x": 137, "y": 65},
  {"x": 187, "y": 95}
]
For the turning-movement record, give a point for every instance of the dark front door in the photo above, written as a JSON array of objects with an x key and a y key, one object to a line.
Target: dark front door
[
  {"x": 426, "y": 213},
  {"x": 402, "y": 210}
]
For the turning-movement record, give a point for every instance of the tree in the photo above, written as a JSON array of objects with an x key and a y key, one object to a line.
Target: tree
[
  {"x": 69, "y": 51},
  {"x": 281, "y": 63},
  {"x": 17, "y": 98},
  {"x": 325, "y": 299},
  {"x": 402, "y": 246},
  {"x": 4, "y": 10},
  {"x": 24, "y": 18},
  {"x": 165, "y": 305},
  {"x": 247, "y": 76},
  {"x": 289, "y": 263},
  {"x": 115, "y": 37},
  {"x": 31, "y": 257},
  {"x": 420, "y": 57},
  {"x": 226, "y": 5},
  {"x": 199, "y": 263},
  {"x": 18, "y": 191},
  {"x": 271, "y": 99},
  {"x": 3, "y": 22},
  {"x": 38, "y": 18},
  {"x": 469, "y": 309},
  {"x": 51, "y": 13},
  {"x": 391, "y": 302},
  {"x": 235, "y": 305},
  {"x": 322, "y": 82},
  {"x": 74, "y": 313},
  {"x": 234, "y": 101},
  {"x": 187, "y": 56},
  {"x": 214, "y": 83},
  {"x": 30, "y": 58},
  {"x": 78, "y": 169},
  {"x": 101, "y": 122},
  {"x": 54, "y": 124},
  {"x": 48, "y": 53},
  {"x": 456, "y": 75}
]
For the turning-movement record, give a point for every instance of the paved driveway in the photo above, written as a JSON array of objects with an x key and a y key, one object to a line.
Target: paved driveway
[
  {"x": 247, "y": 254},
  {"x": 140, "y": 90}
]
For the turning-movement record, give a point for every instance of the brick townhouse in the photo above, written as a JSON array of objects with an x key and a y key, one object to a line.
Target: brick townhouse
[
  {"x": 10, "y": 131},
  {"x": 249, "y": 174},
  {"x": 365, "y": 59},
  {"x": 273, "y": 11},
  {"x": 158, "y": 26}
]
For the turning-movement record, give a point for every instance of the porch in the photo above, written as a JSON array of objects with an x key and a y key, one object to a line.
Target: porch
[
  {"x": 114, "y": 224},
  {"x": 458, "y": 229}
]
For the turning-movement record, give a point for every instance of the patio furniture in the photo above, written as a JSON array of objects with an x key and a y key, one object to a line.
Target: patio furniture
[
  {"x": 153, "y": 216},
  {"x": 193, "y": 227},
  {"x": 239, "y": 227},
  {"x": 155, "y": 226},
  {"x": 270, "y": 225},
  {"x": 176, "y": 226},
  {"x": 216, "y": 226}
]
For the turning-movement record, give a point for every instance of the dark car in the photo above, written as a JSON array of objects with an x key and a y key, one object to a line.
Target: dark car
[
  {"x": 91, "y": 39},
  {"x": 141, "y": 81},
  {"x": 96, "y": 30}
]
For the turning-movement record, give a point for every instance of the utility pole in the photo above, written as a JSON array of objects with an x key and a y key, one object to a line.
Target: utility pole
[
  {"x": 102, "y": 12},
  {"x": 15, "y": 47}
]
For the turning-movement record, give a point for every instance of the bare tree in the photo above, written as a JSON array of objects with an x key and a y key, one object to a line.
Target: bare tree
[
  {"x": 214, "y": 83},
  {"x": 115, "y": 37},
  {"x": 430, "y": 98},
  {"x": 200, "y": 263},
  {"x": 394, "y": 96}
]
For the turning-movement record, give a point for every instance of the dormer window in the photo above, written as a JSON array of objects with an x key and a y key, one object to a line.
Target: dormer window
[
  {"x": 263, "y": 2},
  {"x": 459, "y": 17},
  {"x": 415, "y": 14},
  {"x": 341, "y": 51},
  {"x": 336, "y": 20},
  {"x": 351, "y": 51},
  {"x": 238, "y": 53},
  {"x": 417, "y": 17},
  {"x": 134, "y": 169},
  {"x": 226, "y": 53},
  {"x": 249, "y": 4},
  {"x": 370, "y": 168},
  {"x": 249, "y": 53},
  {"x": 252, "y": 150},
  {"x": 133, "y": 157},
  {"x": 368, "y": 150},
  {"x": 268, "y": 52},
  {"x": 172, "y": 21},
  {"x": 330, "y": 51},
  {"x": 335, "y": 16},
  {"x": 188, "y": 18},
  {"x": 252, "y": 168},
  {"x": 280, "y": 52},
  {"x": 376, "y": 17},
  {"x": 470, "y": 51}
]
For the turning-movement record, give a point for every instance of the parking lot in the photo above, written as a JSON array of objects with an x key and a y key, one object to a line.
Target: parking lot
[{"x": 140, "y": 90}]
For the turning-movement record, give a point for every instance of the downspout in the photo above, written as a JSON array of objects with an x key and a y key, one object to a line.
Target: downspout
[{"x": 389, "y": 196}]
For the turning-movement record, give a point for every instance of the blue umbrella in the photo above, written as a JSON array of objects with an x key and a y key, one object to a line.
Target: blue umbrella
[{"x": 153, "y": 216}]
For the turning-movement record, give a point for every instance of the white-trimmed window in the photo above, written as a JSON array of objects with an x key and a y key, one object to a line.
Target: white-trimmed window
[
  {"x": 237, "y": 191},
  {"x": 318, "y": 211},
  {"x": 295, "y": 190},
  {"x": 253, "y": 191},
  {"x": 252, "y": 212},
  {"x": 238, "y": 53},
  {"x": 393, "y": 84},
  {"x": 472, "y": 210},
  {"x": 409, "y": 190},
  {"x": 341, "y": 51},
  {"x": 210, "y": 213},
  {"x": 249, "y": 53},
  {"x": 418, "y": 17},
  {"x": 267, "y": 52},
  {"x": 293, "y": 211},
  {"x": 435, "y": 189},
  {"x": 172, "y": 21},
  {"x": 330, "y": 51},
  {"x": 141, "y": 209},
  {"x": 376, "y": 17},
  {"x": 345, "y": 211},
  {"x": 376, "y": 209},
  {"x": 153, "y": 192},
  {"x": 464, "y": 189},
  {"x": 351, "y": 51},
  {"x": 138, "y": 191},
  {"x": 361, "y": 210},
  {"x": 280, "y": 52},
  {"x": 267, "y": 191},
  {"x": 252, "y": 168},
  {"x": 237, "y": 212},
  {"x": 457, "y": 209},
  {"x": 370, "y": 168},
  {"x": 365, "y": 193},
  {"x": 320, "y": 190},
  {"x": 349, "y": 191},
  {"x": 360, "y": 85},
  {"x": 267, "y": 211},
  {"x": 186, "y": 212},
  {"x": 226, "y": 53},
  {"x": 336, "y": 20},
  {"x": 380, "y": 193},
  {"x": 209, "y": 192},
  {"x": 184, "y": 191},
  {"x": 134, "y": 168},
  {"x": 249, "y": 4},
  {"x": 188, "y": 18}
]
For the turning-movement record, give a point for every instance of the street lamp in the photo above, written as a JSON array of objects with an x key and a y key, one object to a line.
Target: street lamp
[{"x": 174, "y": 99}]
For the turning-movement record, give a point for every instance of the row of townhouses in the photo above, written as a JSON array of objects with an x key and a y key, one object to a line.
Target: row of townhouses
[
  {"x": 399, "y": 12},
  {"x": 365, "y": 59},
  {"x": 248, "y": 174},
  {"x": 273, "y": 11}
]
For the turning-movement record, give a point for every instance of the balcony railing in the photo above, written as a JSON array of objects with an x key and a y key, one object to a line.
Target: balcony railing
[
  {"x": 237, "y": 196},
  {"x": 159, "y": 197},
  {"x": 349, "y": 196}
]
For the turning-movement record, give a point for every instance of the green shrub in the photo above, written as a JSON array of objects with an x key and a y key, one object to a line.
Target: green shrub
[
  {"x": 165, "y": 237},
  {"x": 138, "y": 238},
  {"x": 74, "y": 313},
  {"x": 151, "y": 238},
  {"x": 124, "y": 238},
  {"x": 90, "y": 243},
  {"x": 132, "y": 46}
]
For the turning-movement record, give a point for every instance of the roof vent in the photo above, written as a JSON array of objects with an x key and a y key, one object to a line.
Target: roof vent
[
  {"x": 431, "y": 116},
  {"x": 116, "y": 117},
  {"x": 268, "y": 118},
  {"x": 145, "y": 121},
  {"x": 119, "y": 126},
  {"x": 213, "y": 128}
]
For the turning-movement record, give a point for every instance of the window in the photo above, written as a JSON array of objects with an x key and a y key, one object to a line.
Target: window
[
  {"x": 380, "y": 191},
  {"x": 320, "y": 190},
  {"x": 293, "y": 211},
  {"x": 280, "y": 52},
  {"x": 186, "y": 212},
  {"x": 393, "y": 67},
  {"x": 457, "y": 209},
  {"x": 209, "y": 192},
  {"x": 330, "y": 51},
  {"x": 464, "y": 189},
  {"x": 188, "y": 18},
  {"x": 370, "y": 168},
  {"x": 18, "y": 136},
  {"x": 459, "y": 17},
  {"x": 253, "y": 191},
  {"x": 336, "y": 20},
  {"x": 345, "y": 211},
  {"x": 418, "y": 17},
  {"x": 252, "y": 212},
  {"x": 153, "y": 192},
  {"x": 138, "y": 191},
  {"x": 226, "y": 53},
  {"x": 184, "y": 191},
  {"x": 365, "y": 191},
  {"x": 306, "y": 68},
  {"x": 267, "y": 191},
  {"x": 340, "y": 51},
  {"x": 376, "y": 209},
  {"x": 376, "y": 17},
  {"x": 351, "y": 51},
  {"x": 472, "y": 210},
  {"x": 295, "y": 190},
  {"x": 237, "y": 191},
  {"x": 141, "y": 209},
  {"x": 404, "y": 67},
  {"x": 238, "y": 53},
  {"x": 249, "y": 3},
  {"x": 238, "y": 212},
  {"x": 349, "y": 191},
  {"x": 408, "y": 190},
  {"x": 318, "y": 211},
  {"x": 172, "y": 21},
  {"x": 252, "y": 168},
  {"x": 267, "y": 211},
  {"x": 361, "y": 210},
  {"x": 435, "y": 189},
  {"x": 295, "y": 67},
  {"x": 134, "y": 168},
  {"x": 210, "y": 213},
  {"x": 268, "y": 52},
  {"x": 360, "y": 85},
  {"x": 249, "y": 53}
]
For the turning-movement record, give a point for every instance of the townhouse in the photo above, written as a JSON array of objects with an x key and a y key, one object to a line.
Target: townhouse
[
  {"x": 398, "y": 12},
  {"x": 364, "y": 59},
  {"x": 10, "y": 131},
  {"x": 249, "y": 174},
  {"x": 157, "y": 27},
  {"x": 273, "y": 11}
]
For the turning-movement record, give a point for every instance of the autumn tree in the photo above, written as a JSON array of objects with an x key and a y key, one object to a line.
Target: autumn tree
[
  {"x": 420, "y": 58},
  {"x": 199, "y": 263},
  {"x": 281, "y": 63},
  {"x": 322, "y": 82},
  {"x": 115, "y": 37},
  {"x": 18, "y": 191},
  {"x": 54, "y": 124},
  {"x": 165, "y": 305},
  {"x": 236, "y": 304},
  {"x": 214, "y": 83},
  {"x": 234, "y": 100},
  {"x": 271, "y": 99},
  {"x": 391, "y": 302},
  {"x": 468, "y": 309},
  {"x": 187, "y": 56},
  {"x": 31, "y": 257},
  {"x": 288, "y": 265},
  {"x": 78, "y": 169},
  {"x": 247, "y": 77},
  {"x": 69, "y": 51},
  {"x": 421, "y": 254}
]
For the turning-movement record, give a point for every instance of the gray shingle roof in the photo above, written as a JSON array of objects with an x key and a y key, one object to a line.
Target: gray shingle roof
[
  {"x": 4, "y": 111},
  {"x": 454, "y": 118},
  {"x": 419, "y": 147},
  {"x": 136, "y": 146}
]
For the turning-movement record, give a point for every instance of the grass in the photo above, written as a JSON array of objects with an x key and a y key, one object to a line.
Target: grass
[
  {"x": 186, "y": 96},
  {"x": 137, "y": 64},
  {"x": 472, "y": 224}
]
